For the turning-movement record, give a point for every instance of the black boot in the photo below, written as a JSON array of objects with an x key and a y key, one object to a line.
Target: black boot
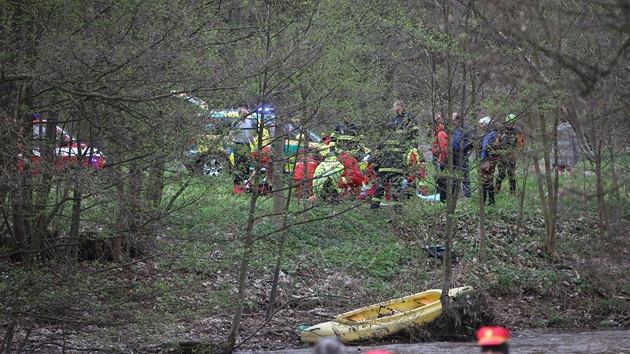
[
  {"x": 441, "y": 184},
  {"x": 485, "y": 187},
  {"x": 490, "y": 195},
  {"x": 512, "y": 186}
]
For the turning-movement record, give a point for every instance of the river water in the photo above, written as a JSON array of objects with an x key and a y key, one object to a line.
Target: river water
[{"x": 530, "y": 342}]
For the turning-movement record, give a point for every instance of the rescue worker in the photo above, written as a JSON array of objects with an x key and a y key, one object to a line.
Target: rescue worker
[
  {"x": 403, "y": 122},
  {"x": 510, "y": 142},
  {"x": 265, "y": 167},
  {"x": 243, "y": 132},
  {"x": 439, "y": 148},
  {"x": 346, "y": 136},
  {"x": 439, "y": 118},
  {"x": 493, "y": 340},
  {"x": 389, "y": 166},
  {"x": 352, "y": 180},
  {"x": 415, "y": 162},
  {"x": 326, "y": 179},
  {"x": 489, "y": 159},
  {"x": 303, "y": 175},
  {"x": 390, "y": 161}
]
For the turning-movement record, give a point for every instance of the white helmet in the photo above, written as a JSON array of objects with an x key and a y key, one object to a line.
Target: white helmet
[{"x": 485, "y": 120}]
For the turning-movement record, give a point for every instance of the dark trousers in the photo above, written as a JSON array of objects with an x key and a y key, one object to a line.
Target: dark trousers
[
  {"x": 465, "y": 180},
  {"x": 242, "y": 157},
  {"x": 440, "y": 180},
  {"x": 507, "y": 167},
  {"x": 383, "y": 180},
  {"x": 329, "y": 192},
  {"x": 488, "y": 165}
]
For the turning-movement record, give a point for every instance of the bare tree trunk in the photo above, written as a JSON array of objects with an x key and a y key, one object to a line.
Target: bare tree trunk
[
  {"x": 601, "y": 207},
  {"x": 7, "y": 340},
  {"x": 548, "y": 202},
  {"x": 447, "y": 264},
  {"x": 482, "y": 211},
  {"x": 521, "y": 199},
  {"x": 279, "y": 196},
  {"x": 20, "y": 200},
  {"x": 279, "y": 217},
  {"x": 75, "y": 224},
  {"x": 614, "y": 216},
  {"x": 155, "y": 186},
  {"x": 553, "y": 180},
  {"x": 247, "y": 243},
  {"x": 521, "y": 207},
  {"x": 283, "y": 235},
  {"x": 136, "y": 205},
  {"x": 271, "y": 308},
  {"x": 43, "y": 187},
  {"x": 123, "y": 218}
]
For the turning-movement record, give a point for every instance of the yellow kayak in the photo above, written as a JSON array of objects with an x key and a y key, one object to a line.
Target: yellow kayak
[{"x": 382, "y": 319}]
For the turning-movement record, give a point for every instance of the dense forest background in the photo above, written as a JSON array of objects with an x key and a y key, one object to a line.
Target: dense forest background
[{"x": 109, "y": 72}]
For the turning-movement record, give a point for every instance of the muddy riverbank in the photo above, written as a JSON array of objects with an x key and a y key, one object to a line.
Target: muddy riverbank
[{"x": 525, "y": 342}]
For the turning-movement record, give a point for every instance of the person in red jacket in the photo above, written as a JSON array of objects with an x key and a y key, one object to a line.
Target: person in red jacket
[
  {"x": 352, "y": 180},
  {"x": 439, "y": 148},
  {"x": 264, "y": 188},
  {"x": 303, "y": 175}
]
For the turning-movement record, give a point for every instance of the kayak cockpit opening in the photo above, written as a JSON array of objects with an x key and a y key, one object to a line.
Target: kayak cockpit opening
[{"x": 384, "y": 311}]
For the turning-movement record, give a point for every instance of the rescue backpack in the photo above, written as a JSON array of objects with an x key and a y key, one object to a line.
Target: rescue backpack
[{"x": 509, "y": 138}]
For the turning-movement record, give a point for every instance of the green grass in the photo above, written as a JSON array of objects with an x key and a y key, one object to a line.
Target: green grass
[
  {"x": 377, "y": 245},
  {"x": 347, "y": 260}
]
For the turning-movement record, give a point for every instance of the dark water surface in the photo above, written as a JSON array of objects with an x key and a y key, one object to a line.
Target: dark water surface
[{"x": 530, "y": 342}]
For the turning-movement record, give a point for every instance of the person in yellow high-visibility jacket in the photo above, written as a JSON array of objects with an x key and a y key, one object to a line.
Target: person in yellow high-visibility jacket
[
  {"x": 326, "y": 179},
  {"x": 346, "y": 137},
  {"x": 415, "y": 163},
  {"x": 242, "y": 139}
]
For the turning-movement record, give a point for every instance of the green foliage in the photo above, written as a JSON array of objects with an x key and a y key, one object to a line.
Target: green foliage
[
  {"x": 555, "y": 317},
  {"x": 344, "y": 259},
  {"x": 504, "y": 281},
  {"x": 608, "y": 323},
  {"x": 108, "y": 68}
]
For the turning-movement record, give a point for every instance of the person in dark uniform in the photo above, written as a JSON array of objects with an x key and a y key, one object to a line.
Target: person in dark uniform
[
  {"x": 402, "y": 121},
  {"x": 391, "y": 155},
  {"x": 346, "y": 136},
  {"x": 510, "y": 143}
]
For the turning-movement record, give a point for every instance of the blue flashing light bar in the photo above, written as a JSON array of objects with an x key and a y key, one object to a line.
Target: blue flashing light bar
[{"x": 265, "y": 109}]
